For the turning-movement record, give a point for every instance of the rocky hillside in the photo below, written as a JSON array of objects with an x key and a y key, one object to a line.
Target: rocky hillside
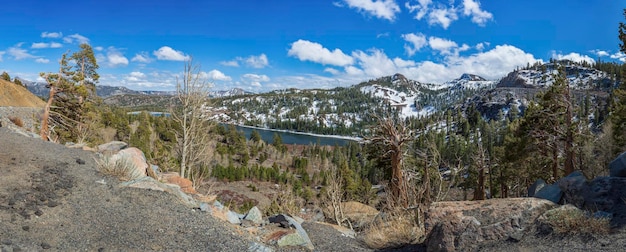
[{"x": 542, "y": 76}]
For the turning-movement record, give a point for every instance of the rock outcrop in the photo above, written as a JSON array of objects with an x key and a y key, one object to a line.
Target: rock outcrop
[{"x": 464, "y": 225}]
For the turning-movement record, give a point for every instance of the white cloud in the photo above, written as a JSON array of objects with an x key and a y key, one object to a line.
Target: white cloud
[
  {"x": 382, "y": 35},
  {"x": 76, "y": 37},
  {"x": 167, "y": 53},
  {"x": 492, "y": 64},
  {"x": 18, "y": 53},
  {"x": 39, "y": 45},
  {"x": 1, "y": 54},
  {"x": 115, "y": 58},
  {"x": 600, "y": 53},
  {"x": 257, "y": 61},
  {"x": 315, "y": 52},
  {"x": 51, "y": 34},
  {"x": 442, "y": 16},
  {"x": 141, "y": 57},
  {"x": 42, "y": 60},
  {"x": 217, "y": 75},
  {"x": 253, "y": 61},
  {"x": 331, "y": 71},
  {"x": 472, "y": 8},
  {"x": 384, "y": 9},
  {"x": 619, "y": 55},
  {"x": 46, "y": 45},
  {"x": 98, "y": 48},
  {"x": 480, "y": 46},
  {"x": 576, "y": 57},
  {"x": 444, "y": 46},
  {"x": 135, "y": 76},
  {"x": 421, "y": 8},
  {"x": 417, "y": 41},
  {"x": 232, "y": 63},
  {"x": 256, "y": 77}
]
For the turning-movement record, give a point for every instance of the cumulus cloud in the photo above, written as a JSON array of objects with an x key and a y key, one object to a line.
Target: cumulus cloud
[
  {"x": 315, "y": 52},
  {"x": 332, "y": 71},
  {"x": 42, "y": 60},
  {"x": 115, "y": 58},
  {"x": 444, "y": 46},
  {"x": 253, "y": 61},
  {"x": 600, "y": 53},
  {"x": 619, "y": 56},
  {"x": 141, "y": 57},
  {"x": 255, "y": 77},
  {"x": 51, "y": 35},
  {"x": 421, "y": 8},
  {"x": 217, "y": 75},
  {"x": 167, "y": 53},
  {"x": 479, "y": 16},
  {"x": 18, "y": 53},
  {"x": 415, "y": 42},
  {"x": 98, "y": 48},
  {"x": 491, "y": 64},
  {"x": 257, "y": 61},
  {"x": 576, "y": 57},
  {"x": 1, "y": 54},
  {"x": 80, "y": 39},
  {"x": 383, "y": 9},
  {"x": 135, "y": 76},
  {"x": 46, "y": 45},
  {"x": 444, "y": 15}
]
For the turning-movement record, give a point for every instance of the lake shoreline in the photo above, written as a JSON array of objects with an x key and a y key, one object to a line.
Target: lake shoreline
[{"x": 356, "y": 139}]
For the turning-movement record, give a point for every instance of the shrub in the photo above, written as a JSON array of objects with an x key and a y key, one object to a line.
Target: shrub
[
  {"x": 571, "y": 220},
  {"x": 17, "y": 121},
  {"x": 398, "y": 228},
  {"x": 122, "y": 168}
]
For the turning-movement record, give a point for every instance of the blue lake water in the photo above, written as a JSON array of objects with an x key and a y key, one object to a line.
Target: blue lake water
[{"x": 294, "y": 138}]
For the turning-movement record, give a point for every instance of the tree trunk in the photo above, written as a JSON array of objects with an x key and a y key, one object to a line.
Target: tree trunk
[
  {"x": 43, "y": 131},
  {"x": 397, "y": 180},
  {"x": 569, "y": 138}
]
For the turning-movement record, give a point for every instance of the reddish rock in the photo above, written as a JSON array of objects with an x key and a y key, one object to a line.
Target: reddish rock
[{"x": 185, "y": 184}]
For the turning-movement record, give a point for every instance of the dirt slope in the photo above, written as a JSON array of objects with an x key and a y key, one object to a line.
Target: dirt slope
[
  {"x": 12, "y": 95},
  {"x": 52, "y": 197}
]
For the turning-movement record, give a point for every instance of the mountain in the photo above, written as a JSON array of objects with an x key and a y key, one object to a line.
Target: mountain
[
  {"x": 542, "y": 76},
  {"x": 231, "y": 92}
]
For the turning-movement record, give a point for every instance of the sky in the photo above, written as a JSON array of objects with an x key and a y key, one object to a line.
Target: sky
[{"x": 277, "y": 44}]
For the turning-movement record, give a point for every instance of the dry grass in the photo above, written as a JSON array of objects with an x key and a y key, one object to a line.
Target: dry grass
[
  {"x": 398, "y": 228},
  {"x": 121, "y": 168},
  {"x": 285, "y": 202},
  {"x": 575, "y": 221},
  {"x": 17, "y": 121}
]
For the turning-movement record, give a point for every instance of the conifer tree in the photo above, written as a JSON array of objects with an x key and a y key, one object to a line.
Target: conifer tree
[{"x": 618, "y": 104}]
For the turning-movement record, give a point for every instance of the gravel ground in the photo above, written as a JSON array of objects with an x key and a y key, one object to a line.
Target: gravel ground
[{"x": 50, "y": 200}]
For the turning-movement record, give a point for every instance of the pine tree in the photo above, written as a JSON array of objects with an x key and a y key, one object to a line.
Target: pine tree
[
  {"x": 5, "y": 76},
  {"x": 618, "y": 103}
]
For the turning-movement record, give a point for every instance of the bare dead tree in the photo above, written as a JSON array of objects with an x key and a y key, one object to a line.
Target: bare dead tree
[
  {"x": 394, "y": 135},
  {"x": 192, "y": 92}
]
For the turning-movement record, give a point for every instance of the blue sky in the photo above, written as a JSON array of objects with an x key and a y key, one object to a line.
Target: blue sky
[{"x": 266, "y": 45}]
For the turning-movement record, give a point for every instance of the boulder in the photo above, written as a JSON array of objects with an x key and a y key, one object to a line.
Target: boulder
[
  {"x": 112, "y": 147},
  {"x": 465, "y": 225},
  {"x": 254, "y": 215},
  {"x": 152, "y": 184},
  {"x": 299, "y": 238},
  {"x": 550, "y": 192},
  {"x": 185, "y": 184},
  {"x": 617, "y": 167},
  {"x": 573, "y": 187},
  {"x": 233, "y": 217},
  {"x": 134, "y": 158},
  {"x": 535, "y": 187}
]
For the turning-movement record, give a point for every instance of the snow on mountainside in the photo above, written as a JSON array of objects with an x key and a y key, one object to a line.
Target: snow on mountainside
[
  {"x": 469, "y": 81},
  {"x": 542, "y": 76},
  {"x": 227, "y": 93}
]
